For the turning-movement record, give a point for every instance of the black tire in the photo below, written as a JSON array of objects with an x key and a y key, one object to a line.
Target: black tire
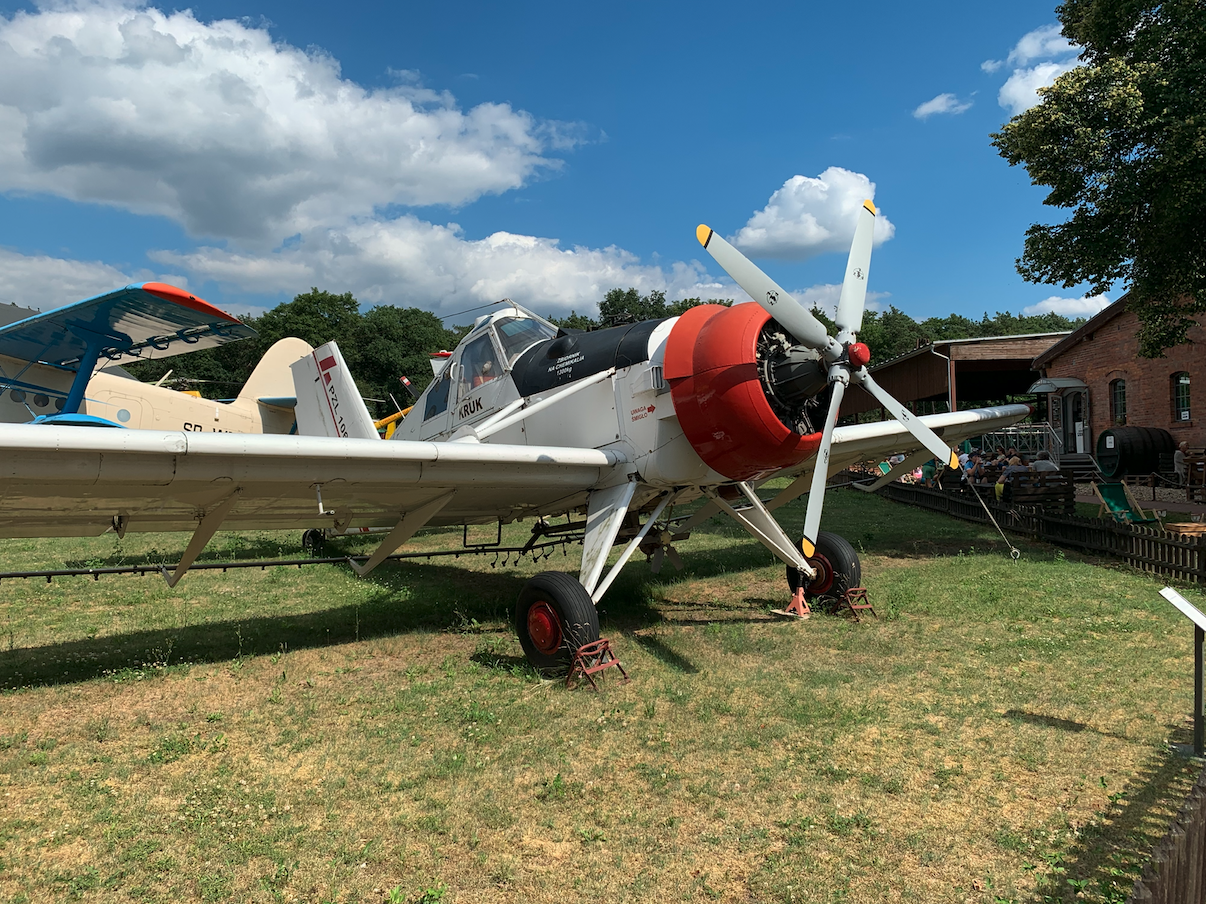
[
  {"x": 554, "y": 616},
  {"x": 314, "y": 540},
  {"x": 837, "y": 565}
]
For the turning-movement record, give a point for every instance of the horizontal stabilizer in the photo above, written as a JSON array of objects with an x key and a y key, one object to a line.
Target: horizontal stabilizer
[{"x": 328, "y": 402}]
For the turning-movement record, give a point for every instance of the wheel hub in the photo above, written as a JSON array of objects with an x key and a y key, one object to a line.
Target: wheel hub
[
  {"x": 823, "y": 582},
  {"x": 544, "y": 628}
]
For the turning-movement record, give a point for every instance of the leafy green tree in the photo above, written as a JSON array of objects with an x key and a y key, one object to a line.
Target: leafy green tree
[
  {"x": 575, "y": 321},
  {"x": 889, "y": 334},
  {"x": 388, "y": 343},
  {"x": 629, "y": 306},
  {"x": 1121, "y": 141}
]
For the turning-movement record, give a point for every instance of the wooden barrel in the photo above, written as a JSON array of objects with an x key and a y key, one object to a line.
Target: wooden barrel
[{"x": 1132, "y": 450}]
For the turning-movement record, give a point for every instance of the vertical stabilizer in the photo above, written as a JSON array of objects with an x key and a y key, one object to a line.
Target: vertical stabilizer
[
  {"x": 271, "y": 378},
  {"x": 328, "y": 402}
]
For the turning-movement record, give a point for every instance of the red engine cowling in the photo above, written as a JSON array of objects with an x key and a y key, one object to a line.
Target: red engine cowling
[{"x": 711, "y": 365}]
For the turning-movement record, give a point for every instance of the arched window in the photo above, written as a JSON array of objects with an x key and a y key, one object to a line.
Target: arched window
[
  {"x": 1180, "y": 396},
  {"x": 1118, "y": 402}
]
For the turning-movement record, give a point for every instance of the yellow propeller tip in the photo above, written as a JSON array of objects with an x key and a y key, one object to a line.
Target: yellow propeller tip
[
  {"x": 703, "y": 233},
  {"x": 807, "y": 547},
  {"x": 871, "y": 207},
  {"x": 954, "y": 462}
]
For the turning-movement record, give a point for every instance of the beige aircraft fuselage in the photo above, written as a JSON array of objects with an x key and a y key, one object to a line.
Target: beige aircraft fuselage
[{"x": 144, "y": 406}]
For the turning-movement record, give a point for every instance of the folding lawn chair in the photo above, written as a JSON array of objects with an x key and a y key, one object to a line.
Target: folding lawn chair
[{"x": 1117, "y": 499}]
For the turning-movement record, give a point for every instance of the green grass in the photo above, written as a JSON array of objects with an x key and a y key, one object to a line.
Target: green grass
[{"x": 999, "y": 733}]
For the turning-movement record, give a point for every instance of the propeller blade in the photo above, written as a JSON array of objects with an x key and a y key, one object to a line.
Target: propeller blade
[
  {"x": 655, "y": 564},
  {"x": 673, "y": 556},
  {"x": 924, "y": 434},
  {"x": 778, "y": 302},
  {"x": 820, "y": 475},
  {"x": 854, "y": 288}
]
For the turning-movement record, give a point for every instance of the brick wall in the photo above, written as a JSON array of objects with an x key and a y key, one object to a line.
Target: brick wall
[{"x": 1112, "y": 354}]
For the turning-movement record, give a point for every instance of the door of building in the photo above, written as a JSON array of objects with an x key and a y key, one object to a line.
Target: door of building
[{"x": 1076, "y": 428}]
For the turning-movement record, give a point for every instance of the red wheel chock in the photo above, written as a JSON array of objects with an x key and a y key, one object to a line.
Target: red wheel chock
[
  {"x": 592, "y": 658},
  {"x": 855, "y": 599}
]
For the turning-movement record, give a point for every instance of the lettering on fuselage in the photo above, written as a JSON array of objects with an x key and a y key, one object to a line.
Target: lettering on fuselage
[
  {"x": 201, "y": 428},
  {"x": 641, "y": 413},
  {"x": 564, "y": 365},
  {"x": 325, "y": 366},
  {"x": 473, "y": 406}
]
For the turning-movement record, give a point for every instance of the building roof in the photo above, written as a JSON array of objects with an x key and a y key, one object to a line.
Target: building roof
[
  {"x": 1083, "y": 332},
  {"x": 978, "y": 339}
]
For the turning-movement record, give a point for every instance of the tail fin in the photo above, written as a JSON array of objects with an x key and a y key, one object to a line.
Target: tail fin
[
  {"x": 328, "y": 402},
  {"x": 271, "y": 379}
]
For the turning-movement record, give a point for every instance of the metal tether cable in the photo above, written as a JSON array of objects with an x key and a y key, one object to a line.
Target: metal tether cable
[{"x": 1014, "y": 552}]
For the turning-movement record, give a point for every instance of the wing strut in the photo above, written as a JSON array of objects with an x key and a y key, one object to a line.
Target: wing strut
[
  {"x": 912, "y": 462},
  {"x": 411, "y": 523},
  {"x": 631, "y": 548},
  {"x": 209, "y": 525},
  {"x": 763, "y": 527},
  {"x": 605, "y": 511}
]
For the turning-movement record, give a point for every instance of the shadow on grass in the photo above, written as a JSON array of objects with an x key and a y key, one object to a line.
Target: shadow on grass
[
  {"x": 664, "y": 654},
  {"x": 1111, "y": 853},
  {"x": 441, "y": 598}
]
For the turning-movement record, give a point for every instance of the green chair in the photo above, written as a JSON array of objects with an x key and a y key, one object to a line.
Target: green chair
[{"x": 1122, "y": 506}]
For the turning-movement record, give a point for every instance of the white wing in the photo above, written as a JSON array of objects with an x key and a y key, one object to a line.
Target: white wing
[{"x": 74, "y": 481}]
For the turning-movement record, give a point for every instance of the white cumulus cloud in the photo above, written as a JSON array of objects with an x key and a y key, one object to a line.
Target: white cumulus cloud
[
  {"x": 1069, "y": 307},
  {"x": 943, "y": 103},
  {"x": 409, "y": 262},
  {"x": 807, "y": 217},
  {"x": 1052, "y": 55},
  {"x": 1020, "y": 91},
  {"x": 1044, "y": 43},
  {"x": 43, "y": 283},
  {"x": 216, "y": 126}
]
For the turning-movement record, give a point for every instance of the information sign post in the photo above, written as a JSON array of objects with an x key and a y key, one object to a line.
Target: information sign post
[{"x": 1195, "y": 615}]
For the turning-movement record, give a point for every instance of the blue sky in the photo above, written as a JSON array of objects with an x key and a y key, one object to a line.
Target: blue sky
[{"x": 446, "y": 155}]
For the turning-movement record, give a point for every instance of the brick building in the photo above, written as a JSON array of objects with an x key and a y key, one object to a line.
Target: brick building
[{"x": 1096, "y": 380}]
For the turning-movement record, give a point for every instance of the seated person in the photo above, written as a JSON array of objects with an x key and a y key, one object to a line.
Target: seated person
[
  {"x": 1015, "y": 467},
  {"x": 1043, "y": 462},
  {"x": 973, "y": 471}
]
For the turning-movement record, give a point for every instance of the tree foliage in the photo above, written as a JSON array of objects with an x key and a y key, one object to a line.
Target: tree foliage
[
  {"x": 380, "y": 346},
  {"x": 1121, "y": 141},
  {"x": 620, "y": 306}
]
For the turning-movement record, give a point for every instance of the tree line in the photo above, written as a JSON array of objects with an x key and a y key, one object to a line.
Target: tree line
[{"x": 385, "y": 343}]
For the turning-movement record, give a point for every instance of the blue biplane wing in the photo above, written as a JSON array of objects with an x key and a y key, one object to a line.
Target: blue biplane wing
[{"x": 140, "y": 322}]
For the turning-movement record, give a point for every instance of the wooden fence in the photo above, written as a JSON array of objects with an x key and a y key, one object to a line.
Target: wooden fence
[
  {"x": 1176, "y": 874},
  {"x": 1179, "y": 556}
]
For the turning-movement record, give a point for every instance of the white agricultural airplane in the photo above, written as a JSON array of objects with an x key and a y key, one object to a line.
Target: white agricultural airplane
[
  {"x": 59, "y": 367},
  {"x": 526, "y": 421}
]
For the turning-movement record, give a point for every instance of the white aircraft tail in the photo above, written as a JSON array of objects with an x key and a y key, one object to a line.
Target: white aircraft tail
[
  {"x": 272, "y": 378},
  {"x": 328, "y": 402}
]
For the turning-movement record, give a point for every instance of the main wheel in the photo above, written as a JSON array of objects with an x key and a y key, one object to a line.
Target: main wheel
[
  {"x": 554, "y": 616},
  {"x": 314, "y": 541},
  {"x": 837, "y": 565}
]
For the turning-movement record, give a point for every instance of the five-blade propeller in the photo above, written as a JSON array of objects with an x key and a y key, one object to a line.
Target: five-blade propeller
[{"x": 845, "y": 356}]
